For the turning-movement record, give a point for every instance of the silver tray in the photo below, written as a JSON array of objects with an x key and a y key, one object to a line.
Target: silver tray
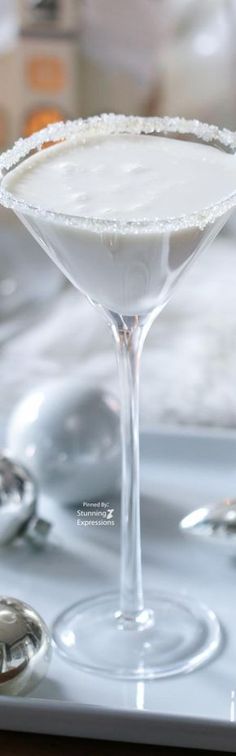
[{"x": 180, "y": 471}]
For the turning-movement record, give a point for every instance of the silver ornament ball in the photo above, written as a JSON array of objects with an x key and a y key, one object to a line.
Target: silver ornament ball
[
  {"x": 25, "y": 647},
  {"x": 68, "y": 436},
  {"x": 18, "y": 504},
  {"x": 216, "y": 522}
]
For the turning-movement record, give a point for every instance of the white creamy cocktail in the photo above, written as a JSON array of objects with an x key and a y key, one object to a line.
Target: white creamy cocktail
[
  {"x": 122, "y": 204},
  {"x": 123, "y": 178}
]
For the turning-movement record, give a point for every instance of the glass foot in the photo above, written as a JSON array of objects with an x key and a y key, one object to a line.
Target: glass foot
[{"x": 175, "y": 636}]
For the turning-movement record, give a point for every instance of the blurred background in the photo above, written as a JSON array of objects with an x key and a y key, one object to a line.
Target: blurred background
[{"x": 62, "y": 59}]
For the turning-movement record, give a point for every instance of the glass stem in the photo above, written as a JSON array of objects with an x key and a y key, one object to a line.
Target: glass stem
[{"x": 129, "y": 339}]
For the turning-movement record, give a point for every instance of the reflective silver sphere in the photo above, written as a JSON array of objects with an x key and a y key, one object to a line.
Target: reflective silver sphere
[
  {"x": 25, "y": 647},
  {"x": 214, "y": 521},
  {"x": 67, "y": 435},
  {"x": 18, "y": 500}
]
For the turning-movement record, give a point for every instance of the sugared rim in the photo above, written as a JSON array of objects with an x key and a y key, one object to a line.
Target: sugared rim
[{"x": 107, "y": 124}]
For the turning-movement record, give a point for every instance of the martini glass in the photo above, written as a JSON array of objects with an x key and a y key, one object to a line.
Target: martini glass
[{"x": 128, "y": 635}]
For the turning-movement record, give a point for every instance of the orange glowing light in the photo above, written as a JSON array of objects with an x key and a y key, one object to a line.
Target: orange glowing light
[
  {"x": 45, "y": 74},
  {"x": 40, "y": 118}
]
